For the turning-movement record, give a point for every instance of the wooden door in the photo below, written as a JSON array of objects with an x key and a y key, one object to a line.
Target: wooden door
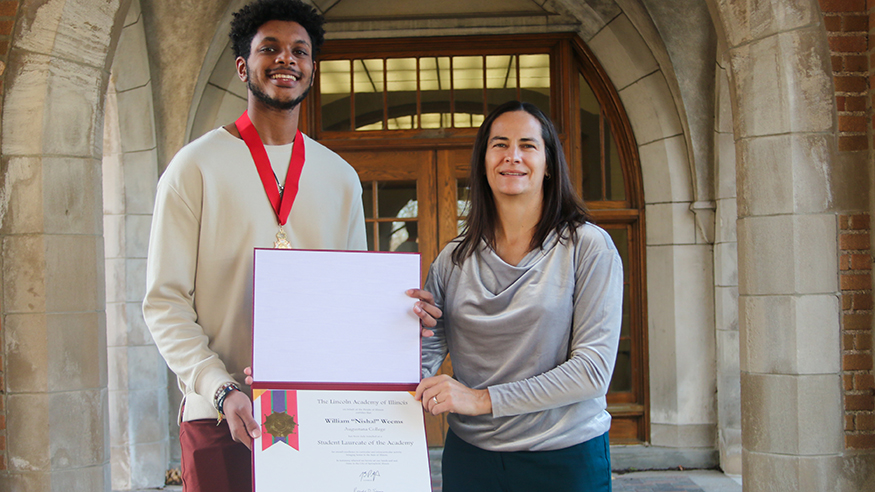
[
  {"x": 411, "y": 204},
  {"x": 398, "y": 193}
]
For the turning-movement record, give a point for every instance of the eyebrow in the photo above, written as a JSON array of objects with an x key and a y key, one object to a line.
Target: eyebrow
[
  {"x": 505, "y": 139},
  {"x": 272, "y": 39}
]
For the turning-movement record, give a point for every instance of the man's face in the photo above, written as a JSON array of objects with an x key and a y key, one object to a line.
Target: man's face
[{"x": 279, "y": 70}]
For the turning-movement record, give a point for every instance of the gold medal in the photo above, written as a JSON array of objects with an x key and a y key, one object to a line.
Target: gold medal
[{"x": 282, "y": 242}]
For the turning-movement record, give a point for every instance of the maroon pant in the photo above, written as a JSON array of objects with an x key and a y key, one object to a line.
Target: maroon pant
[{"x": 211, "y": 460}]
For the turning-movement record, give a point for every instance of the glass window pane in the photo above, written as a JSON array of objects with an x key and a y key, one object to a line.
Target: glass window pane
[
  {"x": 590, "y": 142},
  {"x": 334, "y": 90},
  {"x": 622, "y": 379},
  {"x": 369, "y": 228},
  {"x": 368, "y": 86},
  {"x": 501, "y": 80},
  {"x": 615, "y": 188},
  {"x": 368, "y": 199},
  {"x": 385, "y": 231},
  {"x": 463, "y": 202},
  {"x": 535, "y": 81},
  {"x": 397, "y": 199},
  {"x": 620, "y": 236},
  {"x": 467, "y": 90},
  {"x": 376, "y": 126},
  {"x": 463, "y": 197},
  {"x": 434, "y": 76},
  {"x": 401, "y": 93},
  {"x": 405, "y": 237}
]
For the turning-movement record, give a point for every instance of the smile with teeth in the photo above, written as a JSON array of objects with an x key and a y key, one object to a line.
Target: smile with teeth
[
  {"x": 284, "y": 76},
  {"x": 511, "y": 173}
]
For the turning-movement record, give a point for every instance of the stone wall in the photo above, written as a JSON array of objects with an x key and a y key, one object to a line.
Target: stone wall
[
  {"x": 847, "y": 24},
  {"x": 8, "y": 10},
  {"x": 53, "y": 319},
  {"x": 856, "y": 284}
]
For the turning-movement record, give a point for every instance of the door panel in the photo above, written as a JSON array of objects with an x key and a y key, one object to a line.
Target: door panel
[
  {"x": 386, "y": 178},
  {"x": 453, "y": 168}
]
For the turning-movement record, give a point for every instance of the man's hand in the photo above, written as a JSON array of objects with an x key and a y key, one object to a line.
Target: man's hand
[
  {"x": 426, "y": 310},
  {"x": 238, "y": 413}
]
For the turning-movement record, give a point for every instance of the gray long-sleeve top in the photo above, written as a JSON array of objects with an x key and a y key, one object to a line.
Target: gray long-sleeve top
[{"x": 541, "y": 336}]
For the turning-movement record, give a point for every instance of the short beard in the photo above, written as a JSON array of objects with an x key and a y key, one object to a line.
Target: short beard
[{"x": 274, "y": 102}]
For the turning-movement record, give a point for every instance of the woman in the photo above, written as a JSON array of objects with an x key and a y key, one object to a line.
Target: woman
[{"x": 531, "y": 295}]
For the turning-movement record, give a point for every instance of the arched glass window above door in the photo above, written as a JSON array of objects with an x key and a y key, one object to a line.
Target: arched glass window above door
[
  {"x": 427, "y": 92},
  {"x": 404, "y": 113}
]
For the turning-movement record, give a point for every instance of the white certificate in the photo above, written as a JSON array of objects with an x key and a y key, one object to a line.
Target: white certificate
[
  {"x": 343, "y": 441},
  {"x": 335, "y": 317}
]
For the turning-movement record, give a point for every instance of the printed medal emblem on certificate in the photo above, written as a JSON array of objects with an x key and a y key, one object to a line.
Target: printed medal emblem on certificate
[{"x": 334, "y": 374}]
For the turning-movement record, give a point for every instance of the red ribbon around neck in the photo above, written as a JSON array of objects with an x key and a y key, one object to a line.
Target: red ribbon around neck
[{"x": 281, "y": 205}]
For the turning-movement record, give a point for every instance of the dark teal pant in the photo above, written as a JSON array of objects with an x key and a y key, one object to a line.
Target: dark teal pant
[{"x": 583, "y": 467}]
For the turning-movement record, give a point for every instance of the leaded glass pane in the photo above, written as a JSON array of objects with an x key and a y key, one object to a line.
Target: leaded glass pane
[
  {"x": 368, "y": 199},
  {"x": 369, "y": 229},
  {"x": 396, "y": 199},
  {"x": 501, "y": 80},
  {"x": 535, "y": 81},
  {"x": 590, "y": 142},
  {"x": 401, "y": 93},
  {"x": 468, "y": 91},
  {"x": 622, "y": 379},
  {"x": 463, "y": 202},
  {"x": 368, "y": 85},
  {"x": 615, "y": 186},
  {"x": 335, "y": 82},
  {"x": 434, "y": 76},
  {"x": 404, "y": 237}
]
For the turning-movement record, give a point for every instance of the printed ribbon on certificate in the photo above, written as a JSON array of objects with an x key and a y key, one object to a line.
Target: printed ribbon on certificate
[{"x": 279, "y": 410}]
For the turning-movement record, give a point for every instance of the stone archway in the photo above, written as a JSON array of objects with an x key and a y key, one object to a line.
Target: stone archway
[
  {"x": 52, "y": 245},
  {"x": 52, "y": 239},
  {"x": 681, "y": 314},
  {"x": 789, "y": 313}
]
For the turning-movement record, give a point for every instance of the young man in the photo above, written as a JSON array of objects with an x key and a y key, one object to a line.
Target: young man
[{"x": 256, "y": 183}]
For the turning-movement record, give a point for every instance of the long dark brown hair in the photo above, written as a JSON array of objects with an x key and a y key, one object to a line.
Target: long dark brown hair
[{"x": 562, "y": 210}]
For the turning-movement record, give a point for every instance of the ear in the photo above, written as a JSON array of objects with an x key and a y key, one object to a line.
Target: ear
[{"x": 241, "y": 69}]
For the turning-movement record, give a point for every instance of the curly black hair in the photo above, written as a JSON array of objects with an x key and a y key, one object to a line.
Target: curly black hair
[{"x": 247, "y": 20}]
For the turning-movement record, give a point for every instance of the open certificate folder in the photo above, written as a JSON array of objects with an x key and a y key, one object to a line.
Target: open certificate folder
[{"x": 335, "y": 359}]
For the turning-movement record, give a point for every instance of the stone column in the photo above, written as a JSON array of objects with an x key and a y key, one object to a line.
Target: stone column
[
  {"x": 52, "y": 248},
  {"x": 726, "y": 282},
  {"x": 138, "y": 403},
  {"x": 789, "y": 310}
]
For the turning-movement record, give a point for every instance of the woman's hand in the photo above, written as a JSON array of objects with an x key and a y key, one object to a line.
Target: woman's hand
[
  {"x": 248, "y": 372},
  {"x": 426, "y": 310},
  {"x": 442, "y": 393}
]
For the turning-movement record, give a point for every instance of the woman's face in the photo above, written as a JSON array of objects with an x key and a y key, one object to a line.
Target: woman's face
[{"x": 516, "y": 160}]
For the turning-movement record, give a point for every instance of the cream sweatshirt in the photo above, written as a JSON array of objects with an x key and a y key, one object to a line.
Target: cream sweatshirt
[{"x": 211, "y": 211}]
